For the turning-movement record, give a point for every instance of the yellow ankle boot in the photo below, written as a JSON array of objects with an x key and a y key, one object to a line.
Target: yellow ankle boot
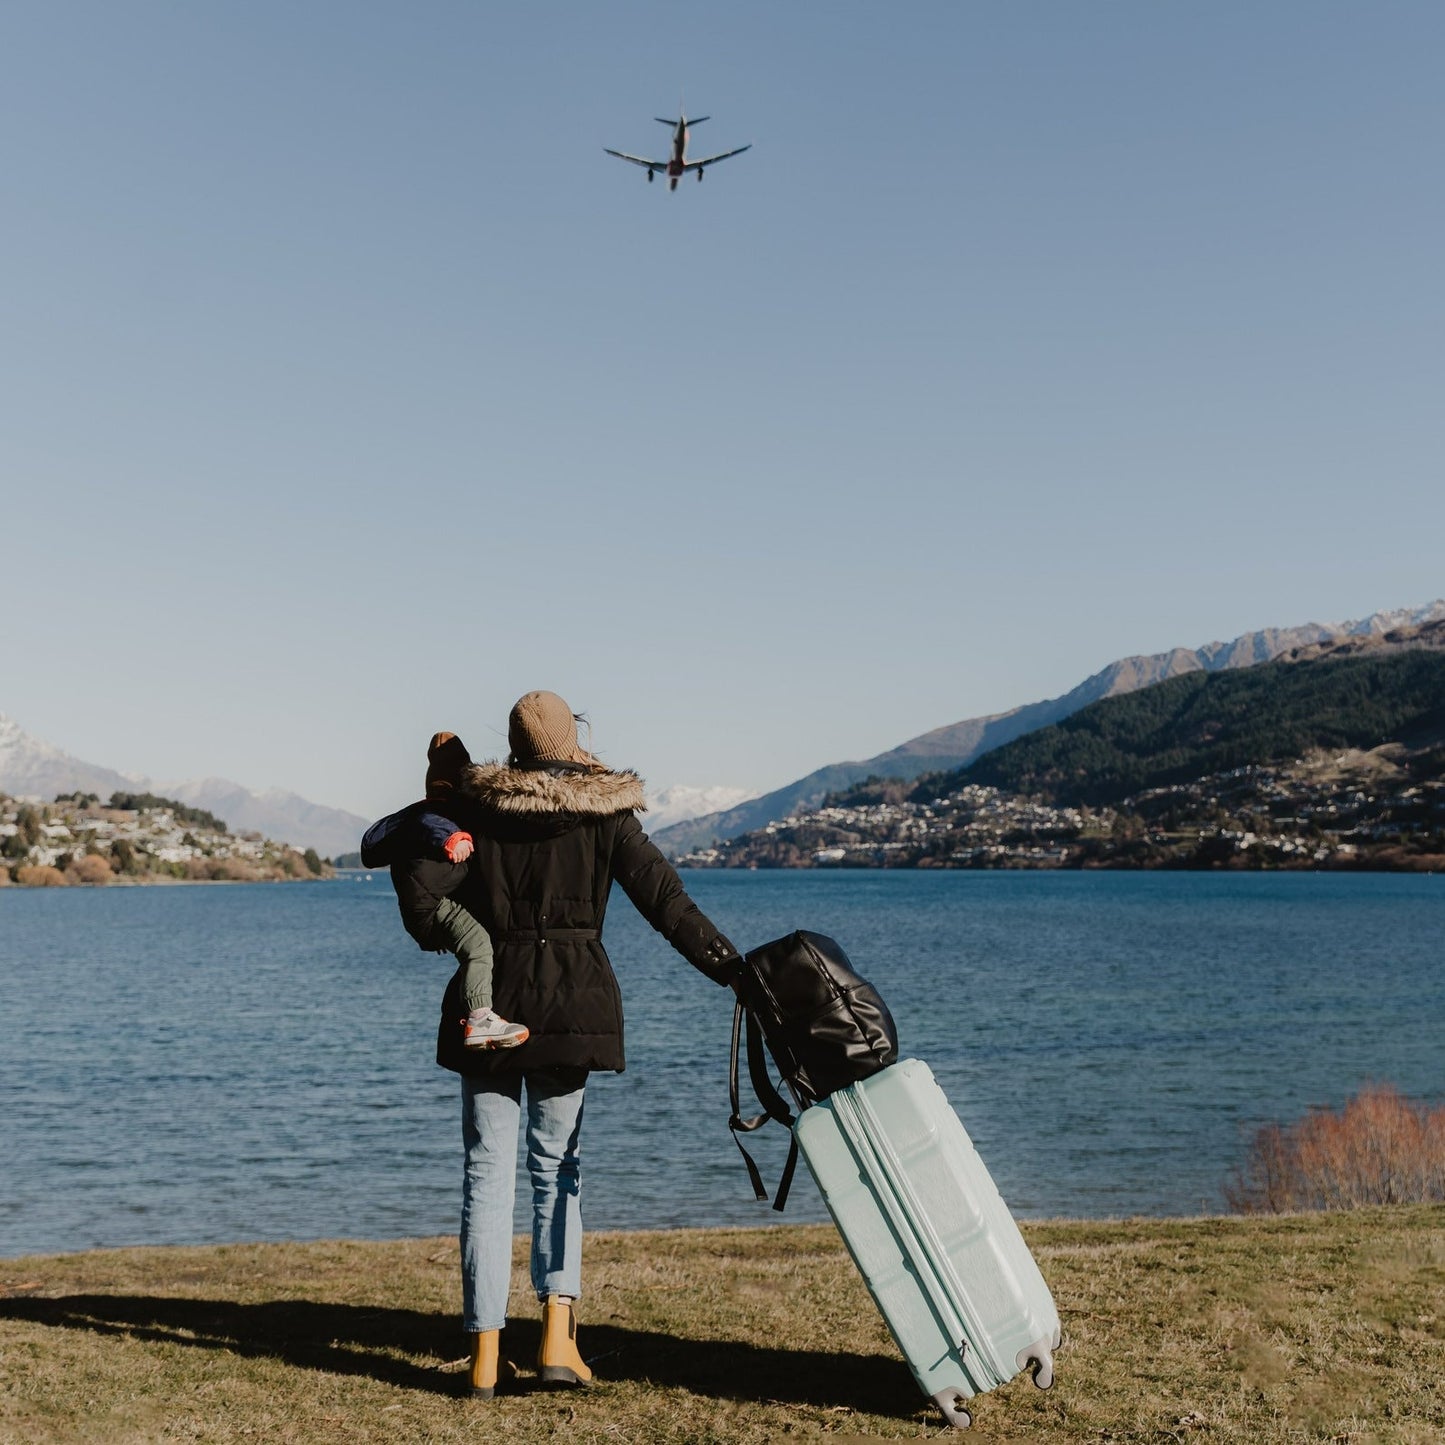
[
  {"x": 486, "y": 1350},
  {"x": 558, "y": 1362}
]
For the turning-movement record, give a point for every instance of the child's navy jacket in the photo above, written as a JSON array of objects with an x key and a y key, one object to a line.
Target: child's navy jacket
[
  {"x": 411, "y": 843},
  {"x": 417, "y": 831}
]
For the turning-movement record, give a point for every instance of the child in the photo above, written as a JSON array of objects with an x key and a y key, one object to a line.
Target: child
[{"x": 426, "y": 850}]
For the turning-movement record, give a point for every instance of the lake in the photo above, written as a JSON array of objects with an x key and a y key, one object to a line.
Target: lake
[{"x": 235, "y": 1062}]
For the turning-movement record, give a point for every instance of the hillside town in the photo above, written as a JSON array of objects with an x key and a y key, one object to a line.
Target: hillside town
[
  {"x": 1354, "y": 810},
  {"x": 136, "y": 838}
]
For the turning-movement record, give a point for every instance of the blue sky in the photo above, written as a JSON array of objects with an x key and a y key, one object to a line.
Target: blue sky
[{"x": 350, "y": 390}]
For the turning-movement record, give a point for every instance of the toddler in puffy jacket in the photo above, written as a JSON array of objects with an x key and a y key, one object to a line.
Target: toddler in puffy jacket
[{"x": 425, "y": 851}]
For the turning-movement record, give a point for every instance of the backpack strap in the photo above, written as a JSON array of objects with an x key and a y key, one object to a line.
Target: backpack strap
[
  {"x": 736, "y": 1123},
  {"x": 772, "y": 1101},
  {"x": 773, "y": 1104},
  {"x": 785, "y": 1179},
  {"x": 762, "y": 1081}
]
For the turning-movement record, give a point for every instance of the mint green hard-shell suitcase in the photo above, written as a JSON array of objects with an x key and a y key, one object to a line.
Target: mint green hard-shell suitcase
[{"x": 931, "y": 1236}]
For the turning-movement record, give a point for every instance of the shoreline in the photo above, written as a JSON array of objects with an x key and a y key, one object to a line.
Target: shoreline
[
  {"x": 683, "y": 1232},
  {"x": 158, "y": 882},
  {"x": 1437, "y": 866},
  {"x": 699, "y": 1232}
]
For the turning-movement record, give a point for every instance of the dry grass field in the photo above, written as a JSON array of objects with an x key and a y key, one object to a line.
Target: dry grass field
[{"x": 1311, "y": 1327}]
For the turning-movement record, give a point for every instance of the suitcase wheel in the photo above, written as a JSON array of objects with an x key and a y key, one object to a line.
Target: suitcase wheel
[
  {"x": 1041, "y": 1358},
  {"x": 950, "y": 1402}
]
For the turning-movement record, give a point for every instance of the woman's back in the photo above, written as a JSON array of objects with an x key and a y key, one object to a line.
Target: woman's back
[{"x": 548, "y": 844}]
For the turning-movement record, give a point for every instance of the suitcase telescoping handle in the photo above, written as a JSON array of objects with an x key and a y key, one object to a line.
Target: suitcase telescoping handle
[{"x": 773, "y": 1105}]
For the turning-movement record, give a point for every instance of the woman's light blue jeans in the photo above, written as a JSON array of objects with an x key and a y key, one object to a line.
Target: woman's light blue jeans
[{"x": 491, "y": 1111}]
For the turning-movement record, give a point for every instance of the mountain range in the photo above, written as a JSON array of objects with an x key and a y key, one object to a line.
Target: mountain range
[
  {"x": 684, "y": 818},
  {"x": 1330, "y": 756},
  {"x": 31, "y": 767},
  {"x": 958, "y": 744}
]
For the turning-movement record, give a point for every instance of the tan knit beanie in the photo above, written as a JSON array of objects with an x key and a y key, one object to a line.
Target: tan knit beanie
[
  {"x": 542, "y": 729},
  {"x": 446, "y": 756}
]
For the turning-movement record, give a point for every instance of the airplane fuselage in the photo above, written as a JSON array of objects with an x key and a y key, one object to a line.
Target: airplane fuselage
[{"x": 677, "y": 166}]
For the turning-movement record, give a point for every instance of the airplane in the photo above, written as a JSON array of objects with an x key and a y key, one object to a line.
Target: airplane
[{"x": 679, "y": 165}]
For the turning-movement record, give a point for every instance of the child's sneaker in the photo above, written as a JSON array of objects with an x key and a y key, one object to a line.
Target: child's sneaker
[{"x": 486, "y": 1030}]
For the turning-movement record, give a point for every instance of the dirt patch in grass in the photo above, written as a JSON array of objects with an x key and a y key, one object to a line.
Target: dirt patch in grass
[{"x": 1279, "y": 1329}]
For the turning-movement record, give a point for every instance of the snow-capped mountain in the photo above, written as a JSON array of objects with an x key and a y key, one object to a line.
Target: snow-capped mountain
[
  {"x": 683, "y": 801},
  {"x": 33, "y": 768}
]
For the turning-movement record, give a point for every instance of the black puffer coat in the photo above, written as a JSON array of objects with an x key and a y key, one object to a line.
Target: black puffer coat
[{"x": 548, "y": 845}]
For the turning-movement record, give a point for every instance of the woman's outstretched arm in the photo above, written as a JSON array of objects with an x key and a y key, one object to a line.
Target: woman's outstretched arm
[{"x": 651, "y": 882}]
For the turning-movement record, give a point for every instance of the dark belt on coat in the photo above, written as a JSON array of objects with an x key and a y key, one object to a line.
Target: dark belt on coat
[{"x": 545, "y": 935}]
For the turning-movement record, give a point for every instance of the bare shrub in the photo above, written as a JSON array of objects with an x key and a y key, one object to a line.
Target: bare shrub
[
  {"x": 219, "y": 870},
  {"x": 40, "y": 875},
  {"x": 1379, "y": 1148}
]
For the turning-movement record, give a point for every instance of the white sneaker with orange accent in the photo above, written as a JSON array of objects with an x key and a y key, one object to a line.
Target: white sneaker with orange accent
[{"x": 484, "y": 1029}]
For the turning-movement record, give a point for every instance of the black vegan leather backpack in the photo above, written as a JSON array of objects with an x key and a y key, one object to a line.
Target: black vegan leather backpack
[{"x": 823, "y": 1024}]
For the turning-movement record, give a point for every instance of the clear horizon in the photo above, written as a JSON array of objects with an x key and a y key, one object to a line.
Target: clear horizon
[{"x": 352, "y": 390}]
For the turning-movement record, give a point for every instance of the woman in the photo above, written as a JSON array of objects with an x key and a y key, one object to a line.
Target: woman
[{"x": 552, "y": 829}]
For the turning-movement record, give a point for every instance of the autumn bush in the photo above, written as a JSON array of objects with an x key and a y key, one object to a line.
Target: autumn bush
[
  {"x": 1379, "y": 1148},
  {"x": 40, "y": 875},
  {"x": 91, "y": 869}
]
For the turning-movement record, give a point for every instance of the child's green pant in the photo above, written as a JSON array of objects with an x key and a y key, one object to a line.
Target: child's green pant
[{"x": 456, "y": 930}]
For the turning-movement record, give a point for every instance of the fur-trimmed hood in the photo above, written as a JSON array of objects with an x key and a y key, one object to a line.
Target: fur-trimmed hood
[{"x": 539, "y": 790}]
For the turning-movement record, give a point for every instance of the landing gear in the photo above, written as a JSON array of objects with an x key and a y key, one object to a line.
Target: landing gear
[
  {"x": 699, "y": 172},
  {"x": 649, "y": 177}
]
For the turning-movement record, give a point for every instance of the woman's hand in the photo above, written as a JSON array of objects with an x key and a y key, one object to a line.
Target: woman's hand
[{"x": 458, "y": 847}]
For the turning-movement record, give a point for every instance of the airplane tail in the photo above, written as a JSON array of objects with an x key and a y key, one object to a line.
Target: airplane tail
[{"x": 697, "y": 120}]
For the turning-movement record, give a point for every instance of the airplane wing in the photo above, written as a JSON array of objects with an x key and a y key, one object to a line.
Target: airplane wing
[
  {"x": 638, "y": 160},
  {"x": 712, "y": 160}
]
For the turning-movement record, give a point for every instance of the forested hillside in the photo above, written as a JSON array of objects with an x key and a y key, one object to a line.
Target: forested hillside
[
  {"x": 1324, "y": 762},
  {"x": 1210, "y": 723}
]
